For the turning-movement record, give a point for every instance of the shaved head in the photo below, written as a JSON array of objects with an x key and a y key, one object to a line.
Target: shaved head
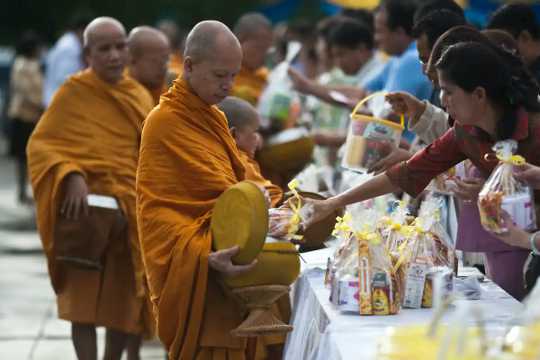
[
  {"x": 105, "y": 48},
  {"x": 99, "y": 27},
  {"x": 239, "y": 112},
  {"x": 206, "y": 39},
  {"x": 250, "y": 23},
  {"x": 244, "y": 123},
  {"x": 143, "y": 39},
  {"x": 254, "y": 31},
  {"x": 150, "y": 51},
  {"x": 212, "y": 58}
]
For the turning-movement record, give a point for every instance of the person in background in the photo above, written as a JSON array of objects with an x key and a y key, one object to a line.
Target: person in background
[
  {"x": 176, "y": 41},
  {"x": 254, "y": 31},
  {"x": 25, "y": 105},
  {"x": 65, "y": 58},
  {"x": 149, "y": 52},
  {"x": 520, "y": 21}
]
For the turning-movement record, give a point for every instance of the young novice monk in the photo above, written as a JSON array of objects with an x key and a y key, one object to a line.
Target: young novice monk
[{"x": 244, "y": 124}]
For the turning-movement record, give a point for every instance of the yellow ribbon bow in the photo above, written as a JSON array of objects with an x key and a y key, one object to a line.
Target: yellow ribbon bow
[{"x": 296, "y": 219}]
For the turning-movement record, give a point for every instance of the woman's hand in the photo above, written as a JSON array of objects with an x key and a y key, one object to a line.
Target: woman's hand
[
  {"x": 515, "y": 236},
  {"x": 314, "y": 211},
  {"x": 467, "y": 190},
  {"x": 395, "y": 155},
  {"x": 406, "y": 104},
  {"x": 529, "y": 173}
]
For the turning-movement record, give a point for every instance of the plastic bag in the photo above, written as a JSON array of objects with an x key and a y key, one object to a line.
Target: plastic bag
[
  {"x": 369, "y": 138},
  {"x": 503, "y": 191},
  {"x": 284, "y": 222}
]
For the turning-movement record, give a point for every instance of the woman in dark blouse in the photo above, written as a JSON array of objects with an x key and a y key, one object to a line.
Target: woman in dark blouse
[{"x": 491, "y": 97}]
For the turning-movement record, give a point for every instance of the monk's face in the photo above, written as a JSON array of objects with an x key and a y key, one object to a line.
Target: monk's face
[
  {"x": 247, "y": 137},
  {"x": 107, "y": 53},
  {"x": 151, "y": 65},
  {"x": 255, "y": 48},
  {"x": 212, "y": 78}
]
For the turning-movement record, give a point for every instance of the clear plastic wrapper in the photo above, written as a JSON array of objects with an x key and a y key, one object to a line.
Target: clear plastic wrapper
[
  {"x": 504, "y": 192},
  {"x": 369, "y": 139}
]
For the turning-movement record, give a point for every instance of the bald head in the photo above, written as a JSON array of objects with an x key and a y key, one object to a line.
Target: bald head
[
  {"x": 240, "y": 114},
  {"x": 208, "y": 39},
  {"x": 243, "y": 122},
  {"x": 251, "y": 23},
  {"x": 105, "y": 48},
  {"x": 254, "y": 31},
  {"x": 149, "y": 55},
  {"x": 212, "y": 58},
  {"x": 101, "y": 26},
  {"x": 146, "y": 39}
]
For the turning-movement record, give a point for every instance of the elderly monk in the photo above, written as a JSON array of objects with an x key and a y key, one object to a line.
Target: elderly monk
[
  {"x": 188, "y": 159},
  {"x": 87, "y": 142},
  {"x": 244, "y": 125},
  {"x": 149, "y": 52},
  {"x": 254, "y": 31}
]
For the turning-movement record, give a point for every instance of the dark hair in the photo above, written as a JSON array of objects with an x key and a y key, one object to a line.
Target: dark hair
[
  {"x": 435, "y": 5},
  {"x": 435, "y": 24},
  {"x": 503, "y": 76},
  {"x": 515, "y": 18},
  {"x": 351, "y": 34},
  {"x": 28, "y": 44},
  {"x": 503, "y": 39},
  {"x": 399, "y": 14},
  {"x": 453, "y": 36},
  {"x": 80, "y": 19},
  {"x": 325, "y": 26},
  {"x": 362, "y": 15}
]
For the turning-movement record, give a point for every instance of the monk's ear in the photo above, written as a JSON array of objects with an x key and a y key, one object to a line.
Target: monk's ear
[
  {"x": 188, "y": 64},
  {"x": 233, "y": 132}
]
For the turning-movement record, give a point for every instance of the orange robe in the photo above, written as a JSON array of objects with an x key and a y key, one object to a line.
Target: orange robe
[
  {"x": 253, "y": 173},
  {"x": 249, "y": 85},
  {"x": 187, "y": 159},
  {"x": 93, "y": 128}
]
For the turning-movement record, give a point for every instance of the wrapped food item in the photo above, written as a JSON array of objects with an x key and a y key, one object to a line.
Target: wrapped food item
[
  {"x": 503, "y": 191},
  {"x": 369, "y": 138},
  {"x": 284, "y": 222}
]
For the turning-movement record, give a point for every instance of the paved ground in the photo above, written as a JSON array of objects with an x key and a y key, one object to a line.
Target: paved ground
[{"x": 29, "y": 327}]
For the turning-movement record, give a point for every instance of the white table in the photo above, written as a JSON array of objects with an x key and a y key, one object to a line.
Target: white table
[{"x": 323, "y": 333}]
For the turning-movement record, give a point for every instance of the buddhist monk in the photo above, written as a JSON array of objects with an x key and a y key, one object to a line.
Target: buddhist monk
[
  {"x": 244, "y": 123},
  {"x": 149, "y": 52},
  {"x": 87, "y": 144},
  {"x": 254, "y": 31},
  {"x": 188, "y": 159}
]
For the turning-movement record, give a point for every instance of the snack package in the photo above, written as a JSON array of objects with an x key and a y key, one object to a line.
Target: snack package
[
  {"x": 284, "y": 222},
  {"x": 503, "y": 191},
  {"x": 369, "y": 139}
]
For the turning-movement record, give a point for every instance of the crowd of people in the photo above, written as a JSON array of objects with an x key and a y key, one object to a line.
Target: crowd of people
[{"x": 129, "y": 139}]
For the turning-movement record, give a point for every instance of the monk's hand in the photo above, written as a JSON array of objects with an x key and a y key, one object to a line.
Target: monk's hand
[
  {"x": 406, "y": 104},
  {"x": 394, "y": 155},
  {"x": 528, "y": 173},
  {"x": 221, "y": 261},
  {"x": 75, "y": 198},
  {"x": 468, "y": 189}
]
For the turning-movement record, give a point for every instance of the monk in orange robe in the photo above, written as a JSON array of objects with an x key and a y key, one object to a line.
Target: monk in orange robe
[
  {"x": 254, "y": 31},
  {"x": 188, "y": 159},
  {"x": 87, "y": 142},
  {"x": 149, "y": 52},
  {"x": 244, "y": 123}
]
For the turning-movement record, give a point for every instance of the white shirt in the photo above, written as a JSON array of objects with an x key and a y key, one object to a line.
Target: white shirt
[{"x": 63, "y": 60}]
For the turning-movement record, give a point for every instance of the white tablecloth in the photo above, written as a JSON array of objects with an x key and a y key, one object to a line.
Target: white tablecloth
[{"x": 323, "y": 333}]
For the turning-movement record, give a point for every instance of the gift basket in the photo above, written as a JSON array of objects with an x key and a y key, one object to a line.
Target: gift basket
[
  {"x": 369, "y": 138},
  {"x": 504, "y": 192}
]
